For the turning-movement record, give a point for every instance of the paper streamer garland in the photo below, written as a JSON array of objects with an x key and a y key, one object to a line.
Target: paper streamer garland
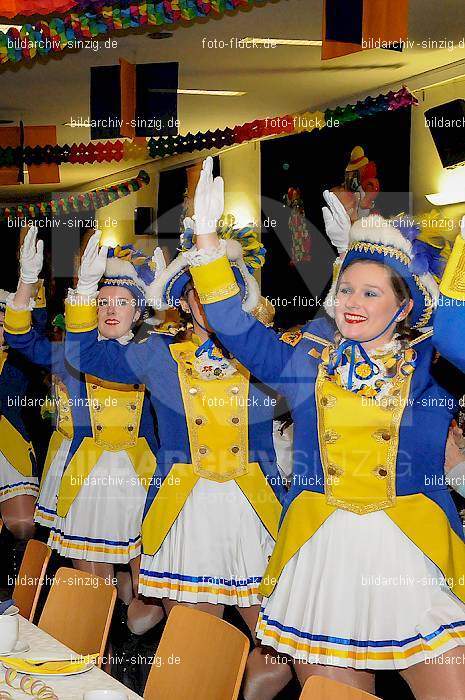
[
  {"x": 28, "y": 685},
  {"x": 77, "y": 202},
  {"x": 164, "y": 146},
  {"x": 58, "y": 34},
  {"x": 98, "y": 152}
]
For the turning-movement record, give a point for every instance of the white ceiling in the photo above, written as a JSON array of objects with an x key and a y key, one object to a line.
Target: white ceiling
[{"x": 276, "y": 81}]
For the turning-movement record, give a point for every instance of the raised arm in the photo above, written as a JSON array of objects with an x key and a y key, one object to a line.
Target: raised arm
[
  {"x": 449, "y": 322},
  {"x": 25, "y": 320},
  {"x": 39, "y": 312},
  {"x": 259, "y": 348}
]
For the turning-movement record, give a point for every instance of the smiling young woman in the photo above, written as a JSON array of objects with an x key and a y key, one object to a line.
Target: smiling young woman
[{"x": 368, "y": 568}]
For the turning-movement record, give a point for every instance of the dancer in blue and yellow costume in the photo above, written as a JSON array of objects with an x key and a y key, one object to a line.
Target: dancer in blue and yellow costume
[
  {"x": 19, "y": 485},
  {"x": 369, "y": 567},
  {"x": 31, "y": 260},
  {"x": 213, "y": 507},
  {"x": 99, "y": 479}
]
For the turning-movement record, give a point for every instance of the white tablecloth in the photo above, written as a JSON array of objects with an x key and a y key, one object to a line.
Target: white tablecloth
[{"x": 43, "y": 646}]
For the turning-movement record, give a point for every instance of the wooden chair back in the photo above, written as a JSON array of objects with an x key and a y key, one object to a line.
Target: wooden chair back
[
  {"x": 321, "y": 688},
  {"x": 200, "y": 657},
  {"x": 31, "y": 577},
  {"x": 78, "y": 611}
]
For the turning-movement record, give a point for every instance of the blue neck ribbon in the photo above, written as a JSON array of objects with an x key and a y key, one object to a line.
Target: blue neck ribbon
[
  {"x": 209, "y": 347},
  {"x": 355, "y": 345}
]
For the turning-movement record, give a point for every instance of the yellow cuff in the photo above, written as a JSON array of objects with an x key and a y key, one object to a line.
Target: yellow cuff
[
  {"x": 80, "y": 318},
  {"x": 39, "y": 298},
  {"x": 214, "y": 281},
  {"x": 17, "y": 322},
  {"x": 453, "y": 281}
]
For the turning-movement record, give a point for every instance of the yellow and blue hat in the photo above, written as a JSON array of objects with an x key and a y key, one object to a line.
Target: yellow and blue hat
[
  {"x": 245, "y": 253},
  {"x": 396, "y": 243},
  {"x": 132, "y": 269}
]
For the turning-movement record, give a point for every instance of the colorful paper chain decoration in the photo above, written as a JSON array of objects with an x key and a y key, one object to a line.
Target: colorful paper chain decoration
[
  {"x": 102, "y": 17},
  {"x": 78, "y": 202},
  {"x": 164, "y": 146},
  {"x": 98, "y": 152}
]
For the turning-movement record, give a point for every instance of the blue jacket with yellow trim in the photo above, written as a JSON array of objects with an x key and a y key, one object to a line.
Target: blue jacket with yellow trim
[
  {"x": 39, "y": 350},
  {"x": 14, "y": 382},
  {"x": 292, "y": 371},
  {"x": 153, "y": 363},
  {"x": 419, "y": 494}
]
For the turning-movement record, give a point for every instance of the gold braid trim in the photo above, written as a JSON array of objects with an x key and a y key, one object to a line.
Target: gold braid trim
[
  {"x": 219, "y": 294},
  {"x": 458, "y": 280},
  {"x": 367, "y": 247},
  {"x": 17, "y": 330}
]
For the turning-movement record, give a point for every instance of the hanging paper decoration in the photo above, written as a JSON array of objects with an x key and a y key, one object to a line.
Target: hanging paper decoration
[
  {"x": 300, "y": 236},
  {"x": 77, "y": 202},
  {"x": 13, "y": 8},
  {"x": 101, "y": 152},
  {"x": 357, "y": 25},
  {"x": 164, "y": 146},
  {"x": 102, "y": 17},
  {"x": 291, "y": 123}
]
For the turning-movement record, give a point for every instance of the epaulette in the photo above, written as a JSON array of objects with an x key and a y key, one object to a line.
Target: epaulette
[
  {"x": 170, "y": 329},
  {"x": 423, "y": 336},
  {"x": 316, "y": 339},
  {"x": 291, "y": 337}
]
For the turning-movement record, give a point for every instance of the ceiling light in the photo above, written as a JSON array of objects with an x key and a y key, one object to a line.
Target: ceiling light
[
  {"x": 218, "y": 93},
  {"x": 221, "y": 93},
  {"x": 284, "y": 42}
]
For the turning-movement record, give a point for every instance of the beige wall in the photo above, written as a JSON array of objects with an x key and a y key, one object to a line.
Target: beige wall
[
  {"x": 117, "y": 219},
  {"x": 427, "y": 176},
  {"x": 240, "y": 167}
]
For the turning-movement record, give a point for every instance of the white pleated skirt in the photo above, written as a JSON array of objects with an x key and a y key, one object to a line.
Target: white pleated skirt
[
  {"x": 360, "y": 594},
  {"x": 215, "y": 552},
  {"x": 13, "y": 483},
  {"x": 104, "y": 521},
  {"x": 46, "y": 508}
]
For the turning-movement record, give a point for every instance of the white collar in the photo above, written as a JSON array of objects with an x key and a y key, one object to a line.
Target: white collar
[{"x": 124, "y": 340}]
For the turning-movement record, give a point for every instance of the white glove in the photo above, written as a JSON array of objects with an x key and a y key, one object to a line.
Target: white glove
[
  {"x": 158, "y": 262},
  {"x": 31, "y": 257},
  {"x": 208, "y": 200},
  {"x": 337, "y": 221},
  {"x": 462, "y": 226},
  {"x": 188, "y": 223},
  {"x": 93, "y": 263}
]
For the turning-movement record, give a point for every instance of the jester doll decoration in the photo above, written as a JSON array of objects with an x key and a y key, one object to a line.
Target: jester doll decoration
[
  {"x": 300, "y": 237},
  {"x": 361, "y": 185}
]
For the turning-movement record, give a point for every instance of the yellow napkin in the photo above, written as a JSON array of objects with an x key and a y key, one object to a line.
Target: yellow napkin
[{"x": 47, "y": 667}]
